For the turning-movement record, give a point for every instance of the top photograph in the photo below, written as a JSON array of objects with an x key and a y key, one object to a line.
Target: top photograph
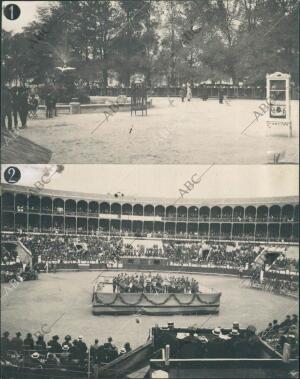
[{"x": 150, "y": 82}]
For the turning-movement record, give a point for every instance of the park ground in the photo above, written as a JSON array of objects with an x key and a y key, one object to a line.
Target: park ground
[
  {"x": 193, "y": 132},
  {"x": 63, "y": 301}
]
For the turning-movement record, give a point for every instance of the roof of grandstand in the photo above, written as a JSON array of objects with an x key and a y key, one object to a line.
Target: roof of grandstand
[{"x": 154, "y": 200}]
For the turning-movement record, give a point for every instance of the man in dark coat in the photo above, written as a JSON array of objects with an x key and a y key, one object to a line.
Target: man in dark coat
[
  {"x": 34, "y": 360},
  {"x": 74, "y": 350},
  {"x": 17, "y": 343},
  {"x": 216, "y": 345},
  {"x": 23, "y": 107},
  {"x": 54, "y": 345},
  {"x": 67, "y": 341},
  {"x": 40, "y": 345},
  {"x": 94, "y": 351},
  {"x": 15, "y": 105},
  {"x": 191, "y": 347},
  {"x": 286, "y": 323},
  {"x": 204, "y": 93},
  {"x": 253, "y": 342},
  {"x": 6, "y": 108},
  {"x": 28, "y": 342},
  {"x": 49, "y": 105},
  {"x": 81, "y": 346},
  {"x": 221, "y": 95},
  {"x": 5, "y": 344},
  {"x": 182, "y": 93},
  {"x": 53, "y": 103}
]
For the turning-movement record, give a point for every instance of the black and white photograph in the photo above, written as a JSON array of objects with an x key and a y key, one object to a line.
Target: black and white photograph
[
  {"x": 108, "y": 272},
  {"x": 150, "y": 82},
  {"x": 149, "y": 189}
]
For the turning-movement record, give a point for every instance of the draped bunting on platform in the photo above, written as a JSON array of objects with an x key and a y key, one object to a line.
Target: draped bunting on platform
[{"x": 144, "y": 299}]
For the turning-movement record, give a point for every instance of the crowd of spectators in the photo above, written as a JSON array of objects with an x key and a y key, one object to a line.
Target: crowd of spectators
[
  {"x": 12, "y": 268},
  {"x": 154, "y": 284},
  {"x": 68, "y": 249},
  {"x": 287, "y": 285},
  {"x": 8, "y": 256},
  {"x": 287, "y": 331},
  {"x": 68, "y": 354},
  {"x": 104, "y": 249}
]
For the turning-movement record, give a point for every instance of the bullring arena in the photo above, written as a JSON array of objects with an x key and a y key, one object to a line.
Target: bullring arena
[{"x": 244, "y": 249}]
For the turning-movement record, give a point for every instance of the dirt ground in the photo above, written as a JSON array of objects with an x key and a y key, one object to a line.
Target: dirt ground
[
  {"x": 193, "y": 132},
  {"x": 63, "y": 301}
]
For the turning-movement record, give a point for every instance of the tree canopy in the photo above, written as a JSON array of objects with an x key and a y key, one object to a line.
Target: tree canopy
[{"x": 240, "y": 40}]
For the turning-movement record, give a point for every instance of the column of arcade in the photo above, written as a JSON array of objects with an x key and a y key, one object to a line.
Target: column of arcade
[{"x": 32, "y": 213}]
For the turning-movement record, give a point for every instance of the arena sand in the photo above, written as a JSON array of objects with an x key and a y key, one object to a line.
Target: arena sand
[
  {"x": 67, "y": 296},
  {"x": 193, "y": 132}
]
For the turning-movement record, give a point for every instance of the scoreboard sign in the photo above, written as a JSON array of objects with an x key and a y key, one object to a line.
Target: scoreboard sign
[{"x": 278, "y": 95}]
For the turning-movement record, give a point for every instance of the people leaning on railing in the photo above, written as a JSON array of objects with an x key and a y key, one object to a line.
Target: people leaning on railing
[{"x": 71, "y": 355}]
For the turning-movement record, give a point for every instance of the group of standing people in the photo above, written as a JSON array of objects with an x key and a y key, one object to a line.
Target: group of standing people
[
  {"x": 186, "y": 92},
  {"x": 15, "y": 105}
]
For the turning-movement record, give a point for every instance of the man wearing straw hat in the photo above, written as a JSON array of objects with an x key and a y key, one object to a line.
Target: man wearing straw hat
[
  {"x": 216, "y": 345},
  {"x": 34, "y": 359}
]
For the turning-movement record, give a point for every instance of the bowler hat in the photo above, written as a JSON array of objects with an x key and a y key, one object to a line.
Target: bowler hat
[{"x": 251, "y": 328}]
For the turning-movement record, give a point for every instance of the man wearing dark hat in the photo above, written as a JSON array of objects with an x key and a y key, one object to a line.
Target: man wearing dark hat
[
  {"x": 253, "y": 342},
  {"x": 94, "y": 351},
  {"x": 74, "y": 351},
  {"x": 286, "y": 323},
  {"x": 55, "y": 346},
  {"x": 23, "y": 107},
  {"x": 109, "y": 344},
  {"x": 67, "y": 341},
  {"x": 266, "y": 331},
  {"x": 127, "y": 347},
  {"x": 40, "y": 345},
  {"x": 15, "y": 105},
  {"x": 51, "y": 361},
  {"x": 48, "y": 103},
  {"x": 204, "y": 93},
  {"x": 5, "y": 344},
  {"x": 294, "y": 319},
  {"x": 28, "y": 342},
  {"x": 17, "y": 343},
  {"x": 168, "y": 337},
  {"x": 110, "y": 350},
  {"x": 6, "y": 108}
]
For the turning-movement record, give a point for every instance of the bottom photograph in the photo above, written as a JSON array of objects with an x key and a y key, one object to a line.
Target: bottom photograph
[{"x": 149, "y": 271}]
